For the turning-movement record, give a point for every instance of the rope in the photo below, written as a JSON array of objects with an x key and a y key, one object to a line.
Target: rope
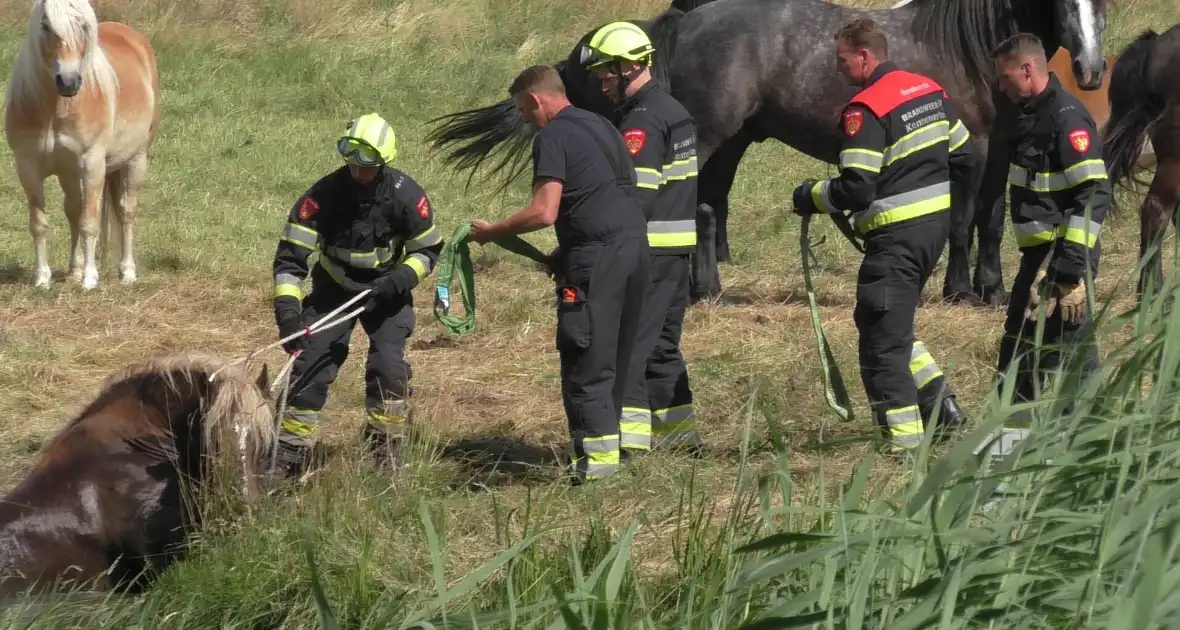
[{"x": 835, "y": 393}]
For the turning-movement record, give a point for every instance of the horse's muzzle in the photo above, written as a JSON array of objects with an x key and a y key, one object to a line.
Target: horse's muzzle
[
  {"x": 1088, "y": 79},
  {"x": 68, "y": 83}
]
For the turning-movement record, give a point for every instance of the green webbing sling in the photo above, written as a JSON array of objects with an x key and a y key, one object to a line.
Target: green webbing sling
[
  {"x": 835, "y": 393},
  {"x": 456, "y": 254},
  {"x": 456, "y": 257}
]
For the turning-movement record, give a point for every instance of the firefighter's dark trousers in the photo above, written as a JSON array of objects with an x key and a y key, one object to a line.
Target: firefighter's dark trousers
[
  {"x": 600, "y": 295},
  {"x": 1062, "y": 345},
  {"x": 657, "y": 402},
  {"x": 387, "y": 374},
  {"x": 903, "y": 383}
]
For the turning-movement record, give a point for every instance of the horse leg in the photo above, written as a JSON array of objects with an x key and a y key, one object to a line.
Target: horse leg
[
  {"x": 717, "y": 177},
  {"x": 34, "y": 184},
  {"x": 71, "y": 189},
  {"x": 957, "y": 285},
  {"x": 123, "y": 187},
  {"x": 1155, "y": 213},
  {"x": 93, "y": 182},
  {"x": 988, "y": 282}
]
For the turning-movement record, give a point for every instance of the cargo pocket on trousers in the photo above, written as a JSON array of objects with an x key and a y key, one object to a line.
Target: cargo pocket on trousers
[
  {"x": 573, "y": 318},
  {"x": 872, "y": 288}
]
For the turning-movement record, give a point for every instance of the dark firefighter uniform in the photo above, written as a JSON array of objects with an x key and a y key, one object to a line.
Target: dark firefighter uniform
[
  {"x": 601, "y": 273},
  {"x": 1055, "y": 171},
  {"x": 384, "y": 235},
  {"x": 903, "y": 144},
  {"x": 661, "y": 137}
]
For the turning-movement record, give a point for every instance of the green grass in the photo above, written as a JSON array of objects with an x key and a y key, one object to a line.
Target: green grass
[{"x": 787, "y": 516}]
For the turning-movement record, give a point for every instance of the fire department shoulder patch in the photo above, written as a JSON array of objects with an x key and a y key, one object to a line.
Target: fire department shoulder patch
[
  {"x": 308, "y": 208},
  {"x": 423, "y": 207},
  {"x": 1079, "y": 139},
  {"x": 853, "y": 119},
  {"x": 635, "y": 139}
]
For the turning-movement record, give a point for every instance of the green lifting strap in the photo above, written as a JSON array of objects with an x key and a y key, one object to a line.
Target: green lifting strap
[
  {"x": 835, "y": 393},
  {"x": 456, "y": 258}
]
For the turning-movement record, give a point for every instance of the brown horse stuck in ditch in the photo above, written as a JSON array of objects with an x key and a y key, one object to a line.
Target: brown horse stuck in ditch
[
  {"x": 111, "y": 500},
  {"x": 1145, "y": 105}
]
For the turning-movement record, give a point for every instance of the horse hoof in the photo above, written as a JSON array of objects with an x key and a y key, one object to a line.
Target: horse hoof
[
  {"x": 996, "y": 298},
  {"x": 965, "y": 298},
  {"x": 127, "y": 276},
  {"x": 41, "y": 279},
  {"x": 89, "y": 281}
]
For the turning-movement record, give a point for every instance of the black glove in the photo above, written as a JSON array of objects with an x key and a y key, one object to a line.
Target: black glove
[
  {"x": 801, "y": 199},
  {"x": 289, "y": 326},
  {"x": 385, "y": 289}
]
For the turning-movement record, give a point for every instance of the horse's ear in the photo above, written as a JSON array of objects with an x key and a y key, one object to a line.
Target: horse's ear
[{"x": 263, "y": 378}]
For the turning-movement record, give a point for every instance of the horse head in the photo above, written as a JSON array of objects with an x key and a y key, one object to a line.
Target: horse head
[
  {"x": 67, "y": 34},
  {"x": 1079, "y": 27},
  {"x": 238, "y": 431}
]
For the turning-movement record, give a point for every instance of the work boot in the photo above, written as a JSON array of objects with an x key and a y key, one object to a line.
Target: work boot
[
  {"x": 951, "y": 418},
  {"x": 290, "y": 461},
  {"x": 385, "y": 448}
]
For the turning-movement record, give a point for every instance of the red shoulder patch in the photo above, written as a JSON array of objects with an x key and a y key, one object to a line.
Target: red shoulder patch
[
  {"x": 853, "y": 119},
  {"x": 1079, "y": 139},
  {"x": 423, "y": 207},
  {"x": 635, "y": 139},
  {"x": 308, "y": 208}
]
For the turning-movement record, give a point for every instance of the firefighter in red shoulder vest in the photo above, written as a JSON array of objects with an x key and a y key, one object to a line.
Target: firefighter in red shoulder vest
[{"x": 903, "y": 144}]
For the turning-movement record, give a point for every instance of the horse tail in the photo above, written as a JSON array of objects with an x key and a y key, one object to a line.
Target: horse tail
[
  {"x": 479, "y": 134},
  {"x": 1134, "y": 106}
]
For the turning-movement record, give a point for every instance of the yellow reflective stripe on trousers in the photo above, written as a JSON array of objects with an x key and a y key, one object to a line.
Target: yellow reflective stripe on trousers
[
  {"x": 299, "y": 426},
  {"x": 959, "y": 135},
  {"x": 648, "y": 178},
  {"x": 302, "y": 236},
  {"x": 862, "y": 159},
  {"x": 1080, "y": 230},
  {"x": 602, "y": 456},
  {"x": 904, "y": 206},
  {"x": 1083, "y": 171},
  {"x": 674, "y": 426},
  {"x": 288, "y": 285},
  {"x": 905, "y": 426},
  {"x": 681, "y": 233},
  {"x": 1033, "y": 233},
  {"x": 916, "y": 141},
  {"x": 922, "y": 365},
  {"x": 635, "y": 429}
]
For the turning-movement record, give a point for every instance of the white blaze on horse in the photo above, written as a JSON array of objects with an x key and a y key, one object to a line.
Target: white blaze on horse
[{"x": 83, "y": 104}]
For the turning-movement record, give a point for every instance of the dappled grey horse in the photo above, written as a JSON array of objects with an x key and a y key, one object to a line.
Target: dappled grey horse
[{"x": 749, "y": 70}]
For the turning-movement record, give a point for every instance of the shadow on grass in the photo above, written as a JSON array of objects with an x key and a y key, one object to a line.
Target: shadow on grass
[{"x": 490, "y": 461}]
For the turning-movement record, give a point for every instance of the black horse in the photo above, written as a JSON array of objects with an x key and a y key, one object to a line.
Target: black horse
[
  {"x": 749, "y": 70},
  {"x": 1145, "y": 102}
]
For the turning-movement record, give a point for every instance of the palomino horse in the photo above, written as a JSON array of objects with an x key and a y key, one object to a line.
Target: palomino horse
[
  {"x": 114, "y": 494},
  {"x": 750, "y": 70},
  {"x": 1145, "y": 104},
  {"x": 83, "y": 104}
]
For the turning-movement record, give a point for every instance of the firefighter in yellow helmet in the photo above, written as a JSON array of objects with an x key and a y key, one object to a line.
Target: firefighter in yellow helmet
[
  {"x": 373, "y": 227},
  {"x": 661, "y": 138}
]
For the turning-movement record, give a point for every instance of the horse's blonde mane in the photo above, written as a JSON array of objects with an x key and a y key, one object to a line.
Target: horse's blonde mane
[
  {"x": 72, "y": 20},
  {"x": 239, "y": 412}
]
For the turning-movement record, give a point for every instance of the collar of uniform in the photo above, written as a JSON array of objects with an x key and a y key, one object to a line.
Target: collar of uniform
[
  {"x": 1046, "y": 95},
  {"x": 883, "y": 68},
  {"x": 638, "y": 96}
]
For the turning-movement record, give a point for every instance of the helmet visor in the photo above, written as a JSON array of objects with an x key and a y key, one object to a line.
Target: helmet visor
[{"x": 358, "y": 152}]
